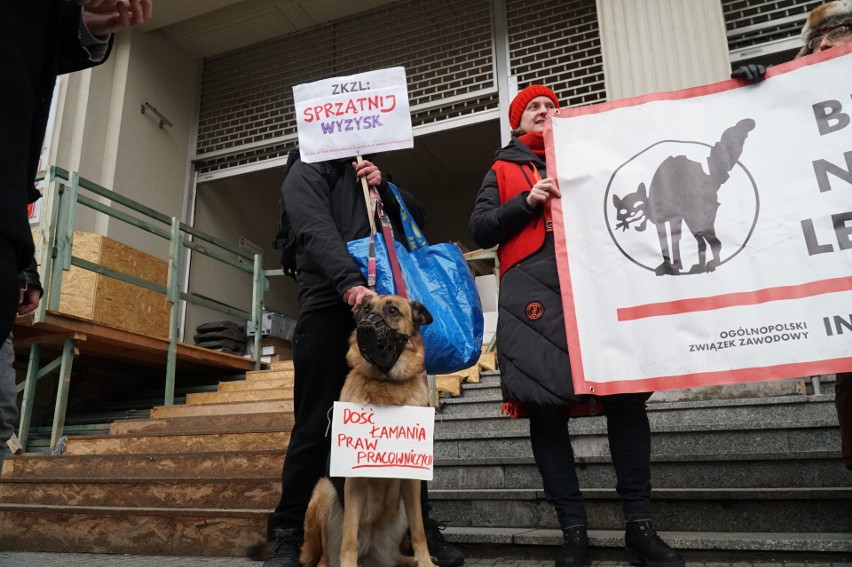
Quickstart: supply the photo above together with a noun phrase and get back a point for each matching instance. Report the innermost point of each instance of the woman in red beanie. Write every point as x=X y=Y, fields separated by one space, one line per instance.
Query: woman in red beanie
x=513 y=211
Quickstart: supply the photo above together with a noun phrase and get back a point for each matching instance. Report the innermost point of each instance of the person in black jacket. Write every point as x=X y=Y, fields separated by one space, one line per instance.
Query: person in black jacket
x=828 y=26
x=511 y=211
x=39 y=40
x=325 y=209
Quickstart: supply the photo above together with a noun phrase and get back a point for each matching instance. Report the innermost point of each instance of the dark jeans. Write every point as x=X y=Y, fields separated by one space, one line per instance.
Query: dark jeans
x=630 y=447
x=843 y=403
x=320 y=342
x=10 y=291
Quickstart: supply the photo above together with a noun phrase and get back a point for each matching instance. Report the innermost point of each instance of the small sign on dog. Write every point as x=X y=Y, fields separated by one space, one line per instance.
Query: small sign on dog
x=382 y=441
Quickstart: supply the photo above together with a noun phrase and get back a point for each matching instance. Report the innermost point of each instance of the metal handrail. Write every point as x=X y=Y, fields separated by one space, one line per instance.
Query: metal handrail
x=55 y=255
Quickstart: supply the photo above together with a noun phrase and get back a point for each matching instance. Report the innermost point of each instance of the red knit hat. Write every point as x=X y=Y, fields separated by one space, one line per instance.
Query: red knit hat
x=523 y=98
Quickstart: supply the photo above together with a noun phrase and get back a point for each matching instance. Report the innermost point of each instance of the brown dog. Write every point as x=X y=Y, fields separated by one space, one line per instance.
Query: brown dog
x=367 y=532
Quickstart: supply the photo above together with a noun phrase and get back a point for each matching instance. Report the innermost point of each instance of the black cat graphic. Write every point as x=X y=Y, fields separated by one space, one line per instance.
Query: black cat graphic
x=681 y=192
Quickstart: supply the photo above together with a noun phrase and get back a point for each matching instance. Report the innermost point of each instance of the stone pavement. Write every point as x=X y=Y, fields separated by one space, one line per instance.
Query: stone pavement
x=8 y=559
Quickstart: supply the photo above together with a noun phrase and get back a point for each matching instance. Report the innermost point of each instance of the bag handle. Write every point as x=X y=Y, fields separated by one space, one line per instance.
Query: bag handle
x=413 y=234
x=387 y=231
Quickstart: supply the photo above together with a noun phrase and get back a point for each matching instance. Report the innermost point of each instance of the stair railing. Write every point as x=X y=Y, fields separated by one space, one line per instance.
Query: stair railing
x=54 y=253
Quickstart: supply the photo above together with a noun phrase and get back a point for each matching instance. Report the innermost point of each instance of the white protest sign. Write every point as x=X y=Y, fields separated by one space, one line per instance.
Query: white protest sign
x=760 y=177
x=382 y=441
x=354 y=115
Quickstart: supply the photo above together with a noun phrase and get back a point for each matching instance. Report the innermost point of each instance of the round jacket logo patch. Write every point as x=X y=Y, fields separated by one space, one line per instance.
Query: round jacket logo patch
x=534 y=310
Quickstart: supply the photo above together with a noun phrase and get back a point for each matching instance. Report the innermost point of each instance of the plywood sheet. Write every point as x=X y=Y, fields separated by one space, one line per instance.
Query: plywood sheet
x=112 y=302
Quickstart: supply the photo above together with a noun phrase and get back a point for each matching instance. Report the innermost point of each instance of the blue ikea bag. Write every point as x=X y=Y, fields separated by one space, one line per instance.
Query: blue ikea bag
x=437 y=276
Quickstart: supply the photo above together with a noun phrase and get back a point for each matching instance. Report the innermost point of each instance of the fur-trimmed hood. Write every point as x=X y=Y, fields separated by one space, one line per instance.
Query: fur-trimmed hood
x=826 y=17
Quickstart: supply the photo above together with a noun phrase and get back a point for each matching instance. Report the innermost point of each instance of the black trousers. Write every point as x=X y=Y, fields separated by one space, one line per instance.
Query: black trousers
x=10 y=292
x=843 y=403
x=320 y=342
x=629 y=437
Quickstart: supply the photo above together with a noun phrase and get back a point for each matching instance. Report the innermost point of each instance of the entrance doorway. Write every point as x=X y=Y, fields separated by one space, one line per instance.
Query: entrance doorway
x=444 y=171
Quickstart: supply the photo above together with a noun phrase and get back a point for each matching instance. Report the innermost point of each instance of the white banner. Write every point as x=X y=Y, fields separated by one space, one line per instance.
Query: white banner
x=382 y=441
x=34 y=209
x=354 y=115
x=757 y=179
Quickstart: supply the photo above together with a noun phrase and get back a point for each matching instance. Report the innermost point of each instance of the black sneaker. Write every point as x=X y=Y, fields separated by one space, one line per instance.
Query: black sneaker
x=443 y=554
x=288 y=543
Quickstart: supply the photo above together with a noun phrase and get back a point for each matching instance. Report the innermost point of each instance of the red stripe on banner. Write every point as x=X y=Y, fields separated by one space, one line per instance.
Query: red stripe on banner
x=738 y=376
x=572 y=330
x=756 y=297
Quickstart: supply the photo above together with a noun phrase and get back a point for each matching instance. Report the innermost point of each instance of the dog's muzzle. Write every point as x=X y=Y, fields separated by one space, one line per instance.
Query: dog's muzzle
x=380 y=345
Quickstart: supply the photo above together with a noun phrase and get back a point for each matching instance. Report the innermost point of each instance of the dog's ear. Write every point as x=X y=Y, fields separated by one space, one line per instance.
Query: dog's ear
x=419 y=314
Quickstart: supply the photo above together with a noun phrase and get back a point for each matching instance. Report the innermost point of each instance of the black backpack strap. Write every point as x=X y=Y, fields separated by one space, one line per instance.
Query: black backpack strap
x=285 y=240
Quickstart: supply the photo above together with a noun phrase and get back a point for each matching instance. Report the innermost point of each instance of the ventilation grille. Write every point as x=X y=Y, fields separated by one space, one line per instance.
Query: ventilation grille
x=753 y=23
x=444 y=45
x=557 y=43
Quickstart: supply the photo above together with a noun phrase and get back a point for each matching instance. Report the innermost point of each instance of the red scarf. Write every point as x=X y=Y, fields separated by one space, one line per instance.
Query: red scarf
x=534 y=141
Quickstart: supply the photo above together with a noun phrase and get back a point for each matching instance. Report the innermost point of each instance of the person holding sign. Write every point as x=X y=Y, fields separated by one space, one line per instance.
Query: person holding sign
x=512 y=211
x=325 y=208
x=828 y=25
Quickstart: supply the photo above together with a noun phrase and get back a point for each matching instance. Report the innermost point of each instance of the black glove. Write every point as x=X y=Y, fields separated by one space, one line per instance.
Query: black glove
x=753 y=72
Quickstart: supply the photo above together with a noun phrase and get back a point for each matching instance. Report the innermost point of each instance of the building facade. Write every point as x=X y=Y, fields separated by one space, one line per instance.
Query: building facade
x=221 y=74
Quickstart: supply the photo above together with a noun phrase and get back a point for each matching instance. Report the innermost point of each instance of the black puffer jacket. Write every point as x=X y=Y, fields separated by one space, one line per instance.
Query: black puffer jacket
x=325 y=208
x=531 y=342
x=39 y=40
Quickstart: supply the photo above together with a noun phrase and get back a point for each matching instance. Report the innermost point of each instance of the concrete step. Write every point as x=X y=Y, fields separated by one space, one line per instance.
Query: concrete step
x=241 y=396
x=256 y=384
x=164 y=443
x=782 y=425
x=488 y=388
x=137 y=531
x=234 y=464
x=815 y=545
x=698 y=445
x=728 y=470
x=185 y=492
x=233 y=423
x=776 y=388
x=502 y=427
x=676 y=415
x=227 y=408
x=692 y=510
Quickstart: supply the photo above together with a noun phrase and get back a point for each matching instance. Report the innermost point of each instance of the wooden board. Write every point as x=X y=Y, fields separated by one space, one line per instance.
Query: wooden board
x=111 y=302
x=117 y=345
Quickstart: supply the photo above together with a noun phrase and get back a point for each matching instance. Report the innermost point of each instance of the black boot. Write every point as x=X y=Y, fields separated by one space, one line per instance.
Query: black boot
x=443 y=554
x=288 y=544
x=647 y=548
x=575 y=548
